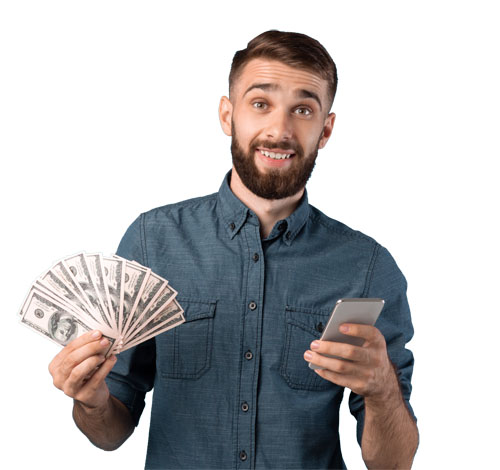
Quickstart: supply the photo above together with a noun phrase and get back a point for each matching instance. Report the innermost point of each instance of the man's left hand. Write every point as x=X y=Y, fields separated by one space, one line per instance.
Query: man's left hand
x=367 y=370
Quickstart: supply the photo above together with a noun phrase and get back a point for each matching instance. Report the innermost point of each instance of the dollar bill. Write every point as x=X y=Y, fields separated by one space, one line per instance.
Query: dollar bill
x=78 y=267
x=126 y=301
x=114 y=274
x=154 y=286
x=50 y=280
x=169 y=324
x=94 y=261
x=53 y=320
x=154 y=319
x=134 y=284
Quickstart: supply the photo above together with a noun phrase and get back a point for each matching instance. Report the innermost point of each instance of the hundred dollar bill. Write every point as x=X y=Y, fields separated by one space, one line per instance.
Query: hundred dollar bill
x=78 y=267
x=97 y=272
x=170 y=323
x=135 y=282
x=52 y=320
x=161 y=301
x=48 y=293
x=114 y=275
x=51 y=281
x=62 y=272
x=154 y=320
x=152 y=289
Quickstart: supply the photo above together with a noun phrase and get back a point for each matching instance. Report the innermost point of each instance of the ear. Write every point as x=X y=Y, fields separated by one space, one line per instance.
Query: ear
x=225 y=114
x=327 y=130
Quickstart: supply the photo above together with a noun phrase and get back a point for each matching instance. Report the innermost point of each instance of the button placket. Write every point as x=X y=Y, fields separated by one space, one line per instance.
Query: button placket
x=251 y=324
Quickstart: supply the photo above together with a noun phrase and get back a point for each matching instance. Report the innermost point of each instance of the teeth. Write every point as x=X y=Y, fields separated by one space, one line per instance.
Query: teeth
x=275 y=156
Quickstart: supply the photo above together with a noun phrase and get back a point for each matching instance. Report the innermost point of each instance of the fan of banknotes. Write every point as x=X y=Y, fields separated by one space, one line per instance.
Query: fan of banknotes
x=126 y=301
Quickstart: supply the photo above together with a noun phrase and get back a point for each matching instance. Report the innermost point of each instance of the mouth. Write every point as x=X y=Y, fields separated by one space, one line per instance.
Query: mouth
x=276 y=154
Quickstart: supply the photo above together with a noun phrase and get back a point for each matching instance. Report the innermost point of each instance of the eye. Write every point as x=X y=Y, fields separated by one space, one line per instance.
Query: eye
x=259 y=105
x=303 y=111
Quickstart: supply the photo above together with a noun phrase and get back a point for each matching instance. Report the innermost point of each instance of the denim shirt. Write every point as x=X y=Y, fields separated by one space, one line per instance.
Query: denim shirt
x=231 y=386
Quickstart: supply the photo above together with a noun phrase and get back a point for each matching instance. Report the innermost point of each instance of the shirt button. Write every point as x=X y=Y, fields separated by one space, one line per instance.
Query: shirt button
x=232 y=226
x=255 y=257
x=248 y=355
x=243 y=455
x=320 y=327
x=252 y=305
x=244 y=406
x=282 y=226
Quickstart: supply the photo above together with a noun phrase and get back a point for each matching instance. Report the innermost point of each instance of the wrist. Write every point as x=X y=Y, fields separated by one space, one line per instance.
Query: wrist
x=388 y=400
x=93 y=410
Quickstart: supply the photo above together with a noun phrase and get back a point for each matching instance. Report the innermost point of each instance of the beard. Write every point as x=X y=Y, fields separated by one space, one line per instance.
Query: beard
x=276 y=183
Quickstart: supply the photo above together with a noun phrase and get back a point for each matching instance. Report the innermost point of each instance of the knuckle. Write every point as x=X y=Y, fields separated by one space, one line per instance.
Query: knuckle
x=340 y=365
x=68 y=390
x=348 y=352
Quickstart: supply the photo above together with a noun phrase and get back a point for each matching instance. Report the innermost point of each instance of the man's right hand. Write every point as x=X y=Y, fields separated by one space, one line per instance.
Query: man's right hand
x=79 y=371
x=80 y=368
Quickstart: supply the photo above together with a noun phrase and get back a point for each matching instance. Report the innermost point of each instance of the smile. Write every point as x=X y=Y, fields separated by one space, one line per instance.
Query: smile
x=275 y=155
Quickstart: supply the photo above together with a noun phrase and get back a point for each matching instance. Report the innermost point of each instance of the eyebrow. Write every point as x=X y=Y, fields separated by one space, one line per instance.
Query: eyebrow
x=302 y=93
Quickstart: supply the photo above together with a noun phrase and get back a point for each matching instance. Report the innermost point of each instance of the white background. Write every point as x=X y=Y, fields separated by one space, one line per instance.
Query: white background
x=109 y=108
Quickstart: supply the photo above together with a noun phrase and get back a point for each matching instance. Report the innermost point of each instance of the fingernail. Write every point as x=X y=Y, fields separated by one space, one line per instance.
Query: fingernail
x=308 y=355
x=104 y=342
x=96 y=334
x=315 y=345
x=344 y=328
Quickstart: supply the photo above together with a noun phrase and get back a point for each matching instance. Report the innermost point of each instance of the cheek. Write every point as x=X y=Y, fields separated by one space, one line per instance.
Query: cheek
x=247 y=129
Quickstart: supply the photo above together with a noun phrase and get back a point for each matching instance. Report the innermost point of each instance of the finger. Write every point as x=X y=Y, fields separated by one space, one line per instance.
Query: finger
x=80 y=374
x=71 y=346
x=344 y=350
x=341 y=380
x=97 y=378
x=339 y=366
x=81 y=354
x=367 y=332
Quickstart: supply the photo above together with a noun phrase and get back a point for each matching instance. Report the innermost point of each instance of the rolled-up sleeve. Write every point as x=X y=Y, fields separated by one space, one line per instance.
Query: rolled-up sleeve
x=386 y=281
x=134 y=372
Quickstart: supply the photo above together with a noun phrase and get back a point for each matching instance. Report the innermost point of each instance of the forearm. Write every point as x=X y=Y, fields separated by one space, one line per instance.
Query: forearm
x=108 y=428
x=390 y=435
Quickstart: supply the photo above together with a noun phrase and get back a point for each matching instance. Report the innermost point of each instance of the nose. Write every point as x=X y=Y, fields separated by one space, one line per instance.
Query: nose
x=280 y=126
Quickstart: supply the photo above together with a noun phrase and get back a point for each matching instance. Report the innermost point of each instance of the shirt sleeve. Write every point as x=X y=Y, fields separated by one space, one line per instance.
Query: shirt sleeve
x=386 y=281
x=134 y=372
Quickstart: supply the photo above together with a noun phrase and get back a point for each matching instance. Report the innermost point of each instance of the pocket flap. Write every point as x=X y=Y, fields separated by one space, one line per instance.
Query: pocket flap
x=196 y=310
x=312 y=321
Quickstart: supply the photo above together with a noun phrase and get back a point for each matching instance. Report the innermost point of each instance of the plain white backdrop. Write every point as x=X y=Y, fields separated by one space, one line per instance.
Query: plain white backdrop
x=109 y=108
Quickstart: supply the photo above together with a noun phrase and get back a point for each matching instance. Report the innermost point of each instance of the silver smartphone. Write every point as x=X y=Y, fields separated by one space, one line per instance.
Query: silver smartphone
x=363 y=311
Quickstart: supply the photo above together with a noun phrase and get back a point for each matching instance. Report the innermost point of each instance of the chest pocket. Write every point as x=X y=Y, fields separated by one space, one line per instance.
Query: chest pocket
x=184 y=352
x=302 y=326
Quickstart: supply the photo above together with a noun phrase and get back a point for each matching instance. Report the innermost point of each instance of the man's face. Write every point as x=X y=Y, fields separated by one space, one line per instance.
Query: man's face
x=64 y=330
x=278 y=121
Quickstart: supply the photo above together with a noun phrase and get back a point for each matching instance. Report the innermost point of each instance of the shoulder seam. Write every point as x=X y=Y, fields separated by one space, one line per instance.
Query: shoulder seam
x=188 y=202
x=143 y=240
x=371 y=266
x=348 y=233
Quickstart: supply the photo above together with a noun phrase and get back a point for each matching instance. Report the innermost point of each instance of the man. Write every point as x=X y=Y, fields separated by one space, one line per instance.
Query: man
x=258 y=271
x=62 y=328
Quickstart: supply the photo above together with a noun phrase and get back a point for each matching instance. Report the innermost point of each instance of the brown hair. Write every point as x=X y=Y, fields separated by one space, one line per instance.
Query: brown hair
x=293 y=49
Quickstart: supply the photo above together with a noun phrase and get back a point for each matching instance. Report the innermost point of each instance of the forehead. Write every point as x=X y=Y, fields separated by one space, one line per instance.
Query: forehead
x=259 y=71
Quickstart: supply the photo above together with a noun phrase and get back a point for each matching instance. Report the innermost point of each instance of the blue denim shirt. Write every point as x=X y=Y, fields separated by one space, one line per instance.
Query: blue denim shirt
x=231 y=387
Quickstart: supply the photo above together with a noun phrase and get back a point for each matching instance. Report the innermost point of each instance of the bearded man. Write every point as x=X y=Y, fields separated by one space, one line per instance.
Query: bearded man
x=258 y=270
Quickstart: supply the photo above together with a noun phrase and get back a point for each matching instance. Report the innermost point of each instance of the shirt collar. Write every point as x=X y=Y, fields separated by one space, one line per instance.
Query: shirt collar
x=235 y=214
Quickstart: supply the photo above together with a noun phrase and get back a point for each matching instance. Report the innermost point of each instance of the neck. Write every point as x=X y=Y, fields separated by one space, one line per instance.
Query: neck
x=269 y=211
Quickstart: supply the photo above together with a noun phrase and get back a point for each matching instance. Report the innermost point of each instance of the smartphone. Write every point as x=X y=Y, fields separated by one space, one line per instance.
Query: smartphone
x=363 y=311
